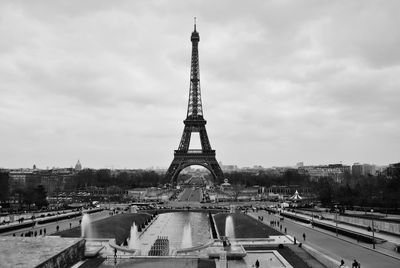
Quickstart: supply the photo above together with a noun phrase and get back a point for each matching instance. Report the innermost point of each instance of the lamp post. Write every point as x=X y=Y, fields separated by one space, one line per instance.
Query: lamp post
x=373 y=233
x=312 y=219
x=336 y=219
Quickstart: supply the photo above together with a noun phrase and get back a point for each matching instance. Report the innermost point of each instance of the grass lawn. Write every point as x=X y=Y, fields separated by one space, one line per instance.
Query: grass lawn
x=245 y=226
x=117 y=227
x=292 y=257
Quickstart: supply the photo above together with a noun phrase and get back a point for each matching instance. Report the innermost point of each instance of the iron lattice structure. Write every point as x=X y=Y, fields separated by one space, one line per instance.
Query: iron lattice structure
x=194 y=122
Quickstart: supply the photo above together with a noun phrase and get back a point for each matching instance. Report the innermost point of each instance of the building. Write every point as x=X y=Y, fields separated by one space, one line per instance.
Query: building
x=4 y=185
x=78 y=166
x=363 y=170
x=138 y=193
x=228 y=168
x=393 y=170
x=52 y=180
x=280 y=191
x=335 y=171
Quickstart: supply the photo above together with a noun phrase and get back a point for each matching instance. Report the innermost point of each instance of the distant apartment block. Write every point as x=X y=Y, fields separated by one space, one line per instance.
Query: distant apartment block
x=52 y=180
x=393 y=170
x=335 y=171
x=362 y=170
x=228 y=168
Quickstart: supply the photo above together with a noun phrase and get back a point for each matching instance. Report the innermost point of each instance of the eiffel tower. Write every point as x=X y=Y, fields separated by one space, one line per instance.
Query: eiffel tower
x=194 y=122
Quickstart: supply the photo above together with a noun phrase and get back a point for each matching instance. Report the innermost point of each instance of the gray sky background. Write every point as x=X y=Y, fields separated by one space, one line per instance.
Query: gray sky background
x=107 y=82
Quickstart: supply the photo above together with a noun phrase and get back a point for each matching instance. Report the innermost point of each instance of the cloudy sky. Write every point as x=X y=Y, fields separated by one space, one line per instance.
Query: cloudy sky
x=107 y=82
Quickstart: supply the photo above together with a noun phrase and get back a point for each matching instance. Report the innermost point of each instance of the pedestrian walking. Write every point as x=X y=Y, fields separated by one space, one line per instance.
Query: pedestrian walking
x=304 y=236
x=115 y=253
x=294 y=240
x=44 y=231
x=285 y=230
x=70 y=225
x=355 y=264
x=57 y=228
x=341 y=263
x=257 y=264
x=280 y=227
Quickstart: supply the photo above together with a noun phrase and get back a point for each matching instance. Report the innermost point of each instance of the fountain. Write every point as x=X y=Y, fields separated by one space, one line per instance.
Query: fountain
x=229 y=228
x=187 y=236
x=86 y=230
x=134 y=238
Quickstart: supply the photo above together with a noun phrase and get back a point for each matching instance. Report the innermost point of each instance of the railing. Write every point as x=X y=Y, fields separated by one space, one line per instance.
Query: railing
x=195 y=151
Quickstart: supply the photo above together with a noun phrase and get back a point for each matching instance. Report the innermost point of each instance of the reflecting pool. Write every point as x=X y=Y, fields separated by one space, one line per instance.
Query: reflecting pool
x=183 y=229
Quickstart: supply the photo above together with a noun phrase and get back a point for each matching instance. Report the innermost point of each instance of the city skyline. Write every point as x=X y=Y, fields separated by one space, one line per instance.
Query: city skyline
x=282 y=82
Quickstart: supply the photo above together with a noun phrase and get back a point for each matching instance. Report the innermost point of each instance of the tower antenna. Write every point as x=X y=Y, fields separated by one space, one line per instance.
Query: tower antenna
x=195 y=23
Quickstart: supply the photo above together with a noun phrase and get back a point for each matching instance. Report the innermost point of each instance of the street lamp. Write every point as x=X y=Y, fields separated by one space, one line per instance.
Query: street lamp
x=312 y=219
x=373 y=233
x=336 y=219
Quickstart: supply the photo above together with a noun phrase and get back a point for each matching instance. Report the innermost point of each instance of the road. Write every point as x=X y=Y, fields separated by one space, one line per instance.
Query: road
x=190 y=194
x=334 y=247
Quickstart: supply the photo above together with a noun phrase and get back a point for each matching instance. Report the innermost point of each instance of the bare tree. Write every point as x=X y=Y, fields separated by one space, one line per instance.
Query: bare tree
x=237 y=189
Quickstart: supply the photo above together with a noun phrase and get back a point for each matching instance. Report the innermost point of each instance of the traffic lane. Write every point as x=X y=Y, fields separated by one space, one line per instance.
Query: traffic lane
x=333 y=247
x=195 y=195
x=185 y=194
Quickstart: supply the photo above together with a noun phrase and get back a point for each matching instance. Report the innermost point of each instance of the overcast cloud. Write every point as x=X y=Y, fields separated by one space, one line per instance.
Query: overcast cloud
x=107 y=82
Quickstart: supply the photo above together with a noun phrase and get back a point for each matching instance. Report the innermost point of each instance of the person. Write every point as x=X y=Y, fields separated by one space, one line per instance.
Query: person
x=257 y=264
x=44 y=231
x=70 y=225
x=304 y=236
x=58 y=228
x=285 y=230
x=294 y=240
x=355 y=264
x=341 y=263
x=115 y=253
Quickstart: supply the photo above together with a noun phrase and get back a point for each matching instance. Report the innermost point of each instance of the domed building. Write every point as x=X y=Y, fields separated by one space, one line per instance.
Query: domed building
x=78 y=166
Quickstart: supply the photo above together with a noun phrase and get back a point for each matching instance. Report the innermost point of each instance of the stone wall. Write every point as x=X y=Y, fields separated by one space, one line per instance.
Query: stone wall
x=67 y=257
x=389 y=227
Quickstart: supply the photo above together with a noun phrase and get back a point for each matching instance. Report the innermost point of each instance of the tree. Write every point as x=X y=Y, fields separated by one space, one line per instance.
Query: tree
x=236 y=191
x=40 y=197
x=325 y=191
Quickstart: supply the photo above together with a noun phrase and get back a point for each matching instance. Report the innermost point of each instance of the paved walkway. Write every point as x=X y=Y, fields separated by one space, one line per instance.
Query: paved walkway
x=337 y=248
x=387 y=248
x=391 y=238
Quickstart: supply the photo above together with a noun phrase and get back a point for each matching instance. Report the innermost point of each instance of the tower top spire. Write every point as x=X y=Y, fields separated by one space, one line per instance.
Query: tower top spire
x=195 y=109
